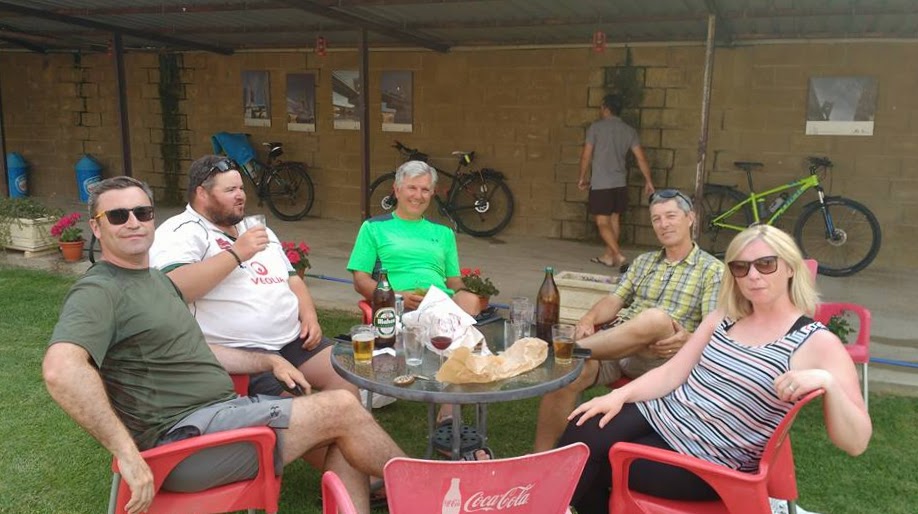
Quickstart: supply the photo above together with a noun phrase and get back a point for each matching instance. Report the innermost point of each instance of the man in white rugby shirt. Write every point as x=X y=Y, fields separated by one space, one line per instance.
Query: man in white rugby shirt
x=239 y=285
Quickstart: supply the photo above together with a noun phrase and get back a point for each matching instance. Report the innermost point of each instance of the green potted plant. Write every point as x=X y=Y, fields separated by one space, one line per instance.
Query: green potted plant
x=477 y=284
x=839 y=325
x=69 y=236
x=25 y=225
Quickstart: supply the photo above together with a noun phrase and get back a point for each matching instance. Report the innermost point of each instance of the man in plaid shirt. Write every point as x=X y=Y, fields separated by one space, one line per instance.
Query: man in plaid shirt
x=658 y=303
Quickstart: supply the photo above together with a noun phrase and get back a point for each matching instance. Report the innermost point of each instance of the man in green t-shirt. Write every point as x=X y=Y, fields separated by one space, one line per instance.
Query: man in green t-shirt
x=417 y=253
x=129 y=364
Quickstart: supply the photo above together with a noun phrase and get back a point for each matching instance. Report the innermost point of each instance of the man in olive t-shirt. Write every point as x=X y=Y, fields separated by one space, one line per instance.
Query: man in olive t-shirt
x=128 y=363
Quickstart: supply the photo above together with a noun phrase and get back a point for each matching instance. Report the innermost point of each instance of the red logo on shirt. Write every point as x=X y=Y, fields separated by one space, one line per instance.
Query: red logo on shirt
x=224 y=244
x=259 y=268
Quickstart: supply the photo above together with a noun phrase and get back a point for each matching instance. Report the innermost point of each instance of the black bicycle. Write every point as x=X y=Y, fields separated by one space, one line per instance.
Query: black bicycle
x=284 y=185
x=478 y=201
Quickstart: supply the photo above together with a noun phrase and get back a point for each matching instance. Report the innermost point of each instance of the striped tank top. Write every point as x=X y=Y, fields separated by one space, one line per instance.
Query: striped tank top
x=728 y=408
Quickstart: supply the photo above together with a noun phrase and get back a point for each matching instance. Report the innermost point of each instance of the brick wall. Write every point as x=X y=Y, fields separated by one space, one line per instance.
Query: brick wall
x=523 y=111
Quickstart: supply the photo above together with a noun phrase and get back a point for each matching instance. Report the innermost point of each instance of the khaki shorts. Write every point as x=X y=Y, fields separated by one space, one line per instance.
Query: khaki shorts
x=231 y=463
x=631 y=367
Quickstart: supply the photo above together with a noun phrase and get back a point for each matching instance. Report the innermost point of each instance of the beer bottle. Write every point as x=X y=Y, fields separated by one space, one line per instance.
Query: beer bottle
x=548 y=306
x=384 y=311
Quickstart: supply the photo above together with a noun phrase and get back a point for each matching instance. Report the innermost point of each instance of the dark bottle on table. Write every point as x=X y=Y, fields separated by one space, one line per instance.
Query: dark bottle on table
x=384 y=311
x=548 y=306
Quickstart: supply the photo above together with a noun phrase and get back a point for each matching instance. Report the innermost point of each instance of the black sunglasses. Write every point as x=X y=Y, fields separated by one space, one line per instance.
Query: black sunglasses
x=222 y=166
x=120 y=216
x=764 y=265
x=668 y=194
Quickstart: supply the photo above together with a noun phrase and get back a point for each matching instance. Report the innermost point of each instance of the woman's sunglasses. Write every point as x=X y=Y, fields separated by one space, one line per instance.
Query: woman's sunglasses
x=120 y=216
x=764 y=265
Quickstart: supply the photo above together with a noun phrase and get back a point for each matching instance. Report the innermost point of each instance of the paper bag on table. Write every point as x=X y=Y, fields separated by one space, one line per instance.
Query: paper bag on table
x=436 y=306
x=465 y=368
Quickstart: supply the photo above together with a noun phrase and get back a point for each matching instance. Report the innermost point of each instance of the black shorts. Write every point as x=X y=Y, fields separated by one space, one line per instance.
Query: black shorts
x=604 y=202
x=266 y=383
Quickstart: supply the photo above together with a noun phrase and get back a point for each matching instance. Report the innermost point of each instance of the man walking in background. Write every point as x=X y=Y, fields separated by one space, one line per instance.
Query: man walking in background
x=605 y=153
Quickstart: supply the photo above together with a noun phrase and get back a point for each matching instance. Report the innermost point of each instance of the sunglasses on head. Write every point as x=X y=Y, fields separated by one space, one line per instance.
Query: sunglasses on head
x=764 y=265
x=222 y=166
x=120 y=216
x=668 y=194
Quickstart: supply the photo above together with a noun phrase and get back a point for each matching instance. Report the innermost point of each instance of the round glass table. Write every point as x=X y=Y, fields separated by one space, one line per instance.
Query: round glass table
x=377 y=377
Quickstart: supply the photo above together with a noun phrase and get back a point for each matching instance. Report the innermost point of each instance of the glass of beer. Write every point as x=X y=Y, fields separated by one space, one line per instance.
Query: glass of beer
x=364 y=338
x=562 y=340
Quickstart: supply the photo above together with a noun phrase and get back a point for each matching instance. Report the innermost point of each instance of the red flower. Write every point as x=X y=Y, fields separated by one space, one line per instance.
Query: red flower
x=465 y=271
x=297 y=254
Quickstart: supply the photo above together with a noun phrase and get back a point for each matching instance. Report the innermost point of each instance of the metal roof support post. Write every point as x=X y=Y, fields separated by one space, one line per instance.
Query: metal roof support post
x=118 y=54
x=6 y=177
x=705 y=116
x=364 y=125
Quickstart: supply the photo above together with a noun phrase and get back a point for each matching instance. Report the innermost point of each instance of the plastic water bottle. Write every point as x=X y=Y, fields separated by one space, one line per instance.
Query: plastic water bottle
x=452 y=502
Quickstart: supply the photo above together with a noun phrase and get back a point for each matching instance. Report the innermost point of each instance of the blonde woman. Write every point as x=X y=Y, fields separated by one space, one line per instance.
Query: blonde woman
x=724 y=393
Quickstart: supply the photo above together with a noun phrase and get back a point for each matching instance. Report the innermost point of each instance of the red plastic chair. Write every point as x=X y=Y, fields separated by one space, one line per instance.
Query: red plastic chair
x=367 y=310
x=859 y=350
x=241 y=384
x=541 y=483
x=335 y=499
x=740 y=493
x=261 y=492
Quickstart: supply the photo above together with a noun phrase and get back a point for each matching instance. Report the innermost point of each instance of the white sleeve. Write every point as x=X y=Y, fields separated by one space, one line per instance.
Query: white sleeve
x=179 y=241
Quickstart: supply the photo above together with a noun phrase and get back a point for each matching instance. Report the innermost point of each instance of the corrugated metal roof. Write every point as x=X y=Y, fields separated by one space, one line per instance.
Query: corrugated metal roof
x=238 y=24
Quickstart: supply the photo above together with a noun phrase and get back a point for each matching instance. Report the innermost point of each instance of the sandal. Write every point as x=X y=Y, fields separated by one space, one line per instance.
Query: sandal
x=597 y=260
x=473 y=455
x=378 y=498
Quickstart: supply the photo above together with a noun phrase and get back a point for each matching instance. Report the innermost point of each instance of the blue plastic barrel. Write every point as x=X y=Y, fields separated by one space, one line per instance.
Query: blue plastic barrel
x=88 y=172
x=16 y=173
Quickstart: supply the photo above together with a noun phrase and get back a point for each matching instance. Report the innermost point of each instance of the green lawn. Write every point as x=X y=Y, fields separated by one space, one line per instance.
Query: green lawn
x=48 y=464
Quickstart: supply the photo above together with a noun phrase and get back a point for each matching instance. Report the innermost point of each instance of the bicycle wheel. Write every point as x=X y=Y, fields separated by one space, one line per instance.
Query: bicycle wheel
x=716 y=201
x=382 y=195
x=481 y=205
x=852 y=246
x=289 y=191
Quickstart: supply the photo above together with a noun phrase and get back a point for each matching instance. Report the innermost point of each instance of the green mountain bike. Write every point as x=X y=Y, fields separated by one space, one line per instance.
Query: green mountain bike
x=841 y=234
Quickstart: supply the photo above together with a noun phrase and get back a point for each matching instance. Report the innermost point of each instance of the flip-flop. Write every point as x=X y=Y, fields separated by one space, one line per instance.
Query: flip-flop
x=597 y=260
x=378 y=498
x=473 y=454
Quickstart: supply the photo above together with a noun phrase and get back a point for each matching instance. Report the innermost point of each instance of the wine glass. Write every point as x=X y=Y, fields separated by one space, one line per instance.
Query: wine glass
x=442 y=333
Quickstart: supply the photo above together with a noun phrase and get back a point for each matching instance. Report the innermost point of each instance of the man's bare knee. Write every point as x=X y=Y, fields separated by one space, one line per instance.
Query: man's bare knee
x=653 y=321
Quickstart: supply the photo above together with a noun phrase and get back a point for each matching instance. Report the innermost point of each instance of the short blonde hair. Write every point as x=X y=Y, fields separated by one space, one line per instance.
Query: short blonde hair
x=802 y=289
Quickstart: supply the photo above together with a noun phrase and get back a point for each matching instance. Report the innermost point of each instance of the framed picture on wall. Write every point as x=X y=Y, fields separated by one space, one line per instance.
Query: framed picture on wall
x=256 y=98
x=397 y=101
x=345 y=99
x=841 y=106
x=301 y=102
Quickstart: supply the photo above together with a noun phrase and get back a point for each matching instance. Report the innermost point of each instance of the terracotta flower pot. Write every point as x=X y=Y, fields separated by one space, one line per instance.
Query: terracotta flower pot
x=301 y=272
x=72 y=250
x=483 y=301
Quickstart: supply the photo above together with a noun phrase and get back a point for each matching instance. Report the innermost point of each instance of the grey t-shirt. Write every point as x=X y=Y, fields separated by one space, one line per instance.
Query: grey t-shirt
x=611 y=138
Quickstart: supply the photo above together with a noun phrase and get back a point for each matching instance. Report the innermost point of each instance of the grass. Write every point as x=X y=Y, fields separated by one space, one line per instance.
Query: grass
x=48 y=464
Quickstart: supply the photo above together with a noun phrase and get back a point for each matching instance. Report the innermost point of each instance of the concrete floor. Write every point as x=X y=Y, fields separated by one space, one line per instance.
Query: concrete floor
x=516 y=265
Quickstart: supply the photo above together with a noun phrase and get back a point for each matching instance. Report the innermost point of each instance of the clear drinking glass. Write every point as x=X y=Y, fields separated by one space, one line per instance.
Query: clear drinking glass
x=413 y=338
x=363 y=337
x=513 y=332
x=254 y=220
x=523 y=311
x=562 y=340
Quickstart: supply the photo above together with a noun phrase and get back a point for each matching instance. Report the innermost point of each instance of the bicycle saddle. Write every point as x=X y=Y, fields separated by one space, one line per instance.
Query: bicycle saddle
x=464 y=157
x=747 y=165
x=820 y=161
x=272 y=144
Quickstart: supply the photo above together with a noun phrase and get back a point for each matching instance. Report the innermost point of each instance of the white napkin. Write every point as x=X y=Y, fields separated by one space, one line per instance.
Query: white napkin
x=437 y=305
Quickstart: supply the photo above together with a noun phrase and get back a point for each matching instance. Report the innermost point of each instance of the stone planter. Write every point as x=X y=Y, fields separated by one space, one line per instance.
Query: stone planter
x=29 y=235
x=580 y=291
